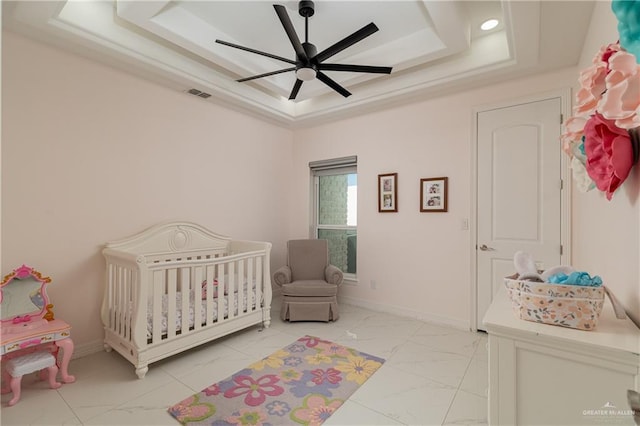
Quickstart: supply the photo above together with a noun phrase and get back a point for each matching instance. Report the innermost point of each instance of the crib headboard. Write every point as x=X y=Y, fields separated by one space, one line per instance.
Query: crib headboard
x=172 y=237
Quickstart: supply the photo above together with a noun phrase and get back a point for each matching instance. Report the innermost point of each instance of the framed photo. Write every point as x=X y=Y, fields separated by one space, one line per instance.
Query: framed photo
x=433 y=194
x=388 y=193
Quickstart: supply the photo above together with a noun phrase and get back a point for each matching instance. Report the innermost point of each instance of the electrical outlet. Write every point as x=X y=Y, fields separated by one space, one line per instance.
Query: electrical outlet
x=373 y=284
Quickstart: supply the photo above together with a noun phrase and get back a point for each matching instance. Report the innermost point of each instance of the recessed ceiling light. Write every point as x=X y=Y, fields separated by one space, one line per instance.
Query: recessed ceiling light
x=489 y=24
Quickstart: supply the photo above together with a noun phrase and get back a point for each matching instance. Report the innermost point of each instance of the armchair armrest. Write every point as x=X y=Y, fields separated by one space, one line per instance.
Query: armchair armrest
x=282 y=276
x=333 y=275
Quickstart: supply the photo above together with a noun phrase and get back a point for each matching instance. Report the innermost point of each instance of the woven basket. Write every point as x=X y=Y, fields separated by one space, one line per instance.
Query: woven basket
x=563 y=305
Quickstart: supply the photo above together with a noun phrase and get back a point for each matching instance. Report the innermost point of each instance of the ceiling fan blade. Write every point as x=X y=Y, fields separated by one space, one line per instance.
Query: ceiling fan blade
x=267 y=74
x=248 y=49
x=355 y=68
x=362 y=33
x=291 y=32
x=296 y=89
x=335 y=86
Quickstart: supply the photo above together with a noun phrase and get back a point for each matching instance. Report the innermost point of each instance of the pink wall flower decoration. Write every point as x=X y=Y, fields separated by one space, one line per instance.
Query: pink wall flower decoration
x=609 y=153
x=574 y=131
x=621 y=101
x=606 y=113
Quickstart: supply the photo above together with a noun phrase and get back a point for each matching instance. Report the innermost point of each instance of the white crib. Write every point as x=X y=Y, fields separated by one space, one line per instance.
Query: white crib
x=177 y=285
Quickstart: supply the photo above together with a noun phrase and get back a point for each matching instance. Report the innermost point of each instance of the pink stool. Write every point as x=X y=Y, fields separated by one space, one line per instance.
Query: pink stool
x=25 y=364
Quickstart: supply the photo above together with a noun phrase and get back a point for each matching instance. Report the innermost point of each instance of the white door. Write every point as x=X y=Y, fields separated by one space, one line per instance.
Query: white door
x=518 y=193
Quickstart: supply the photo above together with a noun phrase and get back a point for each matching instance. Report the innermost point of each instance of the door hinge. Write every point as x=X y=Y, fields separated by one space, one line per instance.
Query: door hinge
x=561 y=250
x=561 y=118
x=561 y=184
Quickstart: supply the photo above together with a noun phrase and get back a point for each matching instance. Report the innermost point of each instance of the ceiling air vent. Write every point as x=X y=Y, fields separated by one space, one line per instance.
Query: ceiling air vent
x=199 y=93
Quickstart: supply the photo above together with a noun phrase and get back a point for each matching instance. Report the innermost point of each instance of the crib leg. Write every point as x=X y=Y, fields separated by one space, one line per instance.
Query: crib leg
x=53 y=372
x=141 y=371
x=15 y=388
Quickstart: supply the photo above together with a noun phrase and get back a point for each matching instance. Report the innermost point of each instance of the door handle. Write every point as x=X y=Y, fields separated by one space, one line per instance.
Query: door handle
x=485 y=248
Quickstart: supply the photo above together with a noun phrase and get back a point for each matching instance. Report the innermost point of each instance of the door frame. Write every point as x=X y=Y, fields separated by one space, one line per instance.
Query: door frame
x=565 y=175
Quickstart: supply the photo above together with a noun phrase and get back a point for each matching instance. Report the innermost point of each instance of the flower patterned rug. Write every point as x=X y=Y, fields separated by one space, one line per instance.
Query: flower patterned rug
x=303 y=383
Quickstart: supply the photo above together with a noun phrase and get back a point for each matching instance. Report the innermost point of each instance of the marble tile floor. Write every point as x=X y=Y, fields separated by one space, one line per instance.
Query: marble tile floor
x=433 y=375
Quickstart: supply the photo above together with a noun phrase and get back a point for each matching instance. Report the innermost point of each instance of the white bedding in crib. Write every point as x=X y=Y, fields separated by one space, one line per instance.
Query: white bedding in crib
x=178 y=302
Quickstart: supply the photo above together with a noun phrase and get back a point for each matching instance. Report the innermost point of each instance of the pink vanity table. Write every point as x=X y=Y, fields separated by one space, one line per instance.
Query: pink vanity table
x=27 y=321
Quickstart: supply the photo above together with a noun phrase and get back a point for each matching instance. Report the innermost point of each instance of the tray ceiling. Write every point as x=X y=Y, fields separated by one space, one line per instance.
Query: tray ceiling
x=434 y=47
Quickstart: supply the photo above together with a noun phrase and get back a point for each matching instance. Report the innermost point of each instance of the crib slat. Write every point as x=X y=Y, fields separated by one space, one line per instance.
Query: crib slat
x=121 y=301
x=241 y=287
x=125 y=307
x=211 y=274
x=111 y=296
x=171 y=302
x=232 y=290
x=196 y=272
x=156 y=307
x=184 y=287
x=250 y=284
x=222 y=292
x=259 y=282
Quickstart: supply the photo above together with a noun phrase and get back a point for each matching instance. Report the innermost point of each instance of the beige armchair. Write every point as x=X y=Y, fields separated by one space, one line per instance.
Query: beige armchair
x=308 y=282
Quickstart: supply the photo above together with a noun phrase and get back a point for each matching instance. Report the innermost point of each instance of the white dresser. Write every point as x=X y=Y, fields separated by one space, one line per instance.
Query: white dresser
x=548 y=375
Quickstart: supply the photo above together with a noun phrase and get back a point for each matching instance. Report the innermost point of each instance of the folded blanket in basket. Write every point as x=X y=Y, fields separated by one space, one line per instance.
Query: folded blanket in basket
x=576 y=278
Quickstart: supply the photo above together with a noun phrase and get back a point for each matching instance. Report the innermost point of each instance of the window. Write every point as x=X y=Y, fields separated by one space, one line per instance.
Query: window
x=335 y=217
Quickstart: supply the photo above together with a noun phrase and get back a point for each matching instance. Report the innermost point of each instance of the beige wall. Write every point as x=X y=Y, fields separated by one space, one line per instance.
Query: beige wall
x=420 y=262
x=91 y=154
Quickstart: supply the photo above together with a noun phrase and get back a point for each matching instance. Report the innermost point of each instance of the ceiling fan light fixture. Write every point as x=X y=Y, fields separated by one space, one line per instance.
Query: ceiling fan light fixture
x=489 y=24
x=306 y=74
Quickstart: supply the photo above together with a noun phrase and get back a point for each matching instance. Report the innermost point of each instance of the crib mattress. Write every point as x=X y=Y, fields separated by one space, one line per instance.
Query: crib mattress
x=178 y=302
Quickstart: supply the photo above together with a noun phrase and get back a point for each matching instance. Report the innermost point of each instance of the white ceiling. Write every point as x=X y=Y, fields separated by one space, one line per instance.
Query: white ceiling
x=434 y=47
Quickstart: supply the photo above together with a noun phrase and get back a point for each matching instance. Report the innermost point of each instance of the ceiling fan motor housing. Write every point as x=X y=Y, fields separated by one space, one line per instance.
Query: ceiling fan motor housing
x=311 y=52
x=306 y=8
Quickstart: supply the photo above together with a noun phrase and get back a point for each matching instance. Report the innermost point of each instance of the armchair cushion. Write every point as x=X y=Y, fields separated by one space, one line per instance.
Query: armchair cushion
x=308 y=259
x=309 y=288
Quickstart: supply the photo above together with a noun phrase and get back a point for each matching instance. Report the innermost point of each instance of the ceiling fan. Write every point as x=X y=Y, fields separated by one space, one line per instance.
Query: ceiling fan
x=309 y=64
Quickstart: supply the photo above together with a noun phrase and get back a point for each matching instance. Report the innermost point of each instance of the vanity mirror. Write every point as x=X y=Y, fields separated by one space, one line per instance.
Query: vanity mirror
x=23 y=297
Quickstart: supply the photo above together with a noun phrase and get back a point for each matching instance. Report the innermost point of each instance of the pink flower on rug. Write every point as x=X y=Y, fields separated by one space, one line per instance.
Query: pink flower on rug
x=214 y=389
x=609 y=153
x=315 y=410
x=358 y=369
x=247 y=417
x=331 y=349
x=310 y=341
x=621 y=101
x=255 y=391
x=192 y=410
x=330 y=375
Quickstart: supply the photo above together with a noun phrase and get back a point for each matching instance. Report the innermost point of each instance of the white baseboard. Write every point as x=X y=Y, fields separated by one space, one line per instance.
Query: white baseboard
x=90 y=348
x=98 y=345
x=404 y=312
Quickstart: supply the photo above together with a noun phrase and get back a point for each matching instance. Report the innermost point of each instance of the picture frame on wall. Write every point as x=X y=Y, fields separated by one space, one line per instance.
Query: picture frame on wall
x=433 y=194
x=388 y=193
